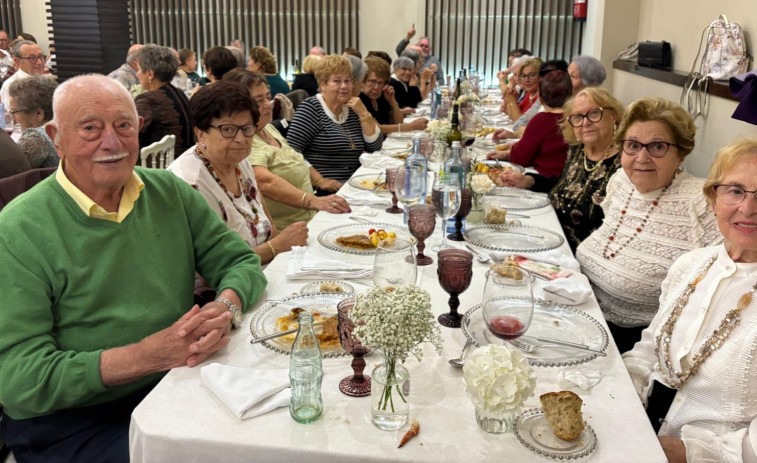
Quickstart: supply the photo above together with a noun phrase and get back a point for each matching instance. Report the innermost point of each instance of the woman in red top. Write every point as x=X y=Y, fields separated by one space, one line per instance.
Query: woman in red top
x=528 y=79
x=542 y=146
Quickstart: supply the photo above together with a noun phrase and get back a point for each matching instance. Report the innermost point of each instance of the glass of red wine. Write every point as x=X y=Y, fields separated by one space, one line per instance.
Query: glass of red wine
x=508 y=302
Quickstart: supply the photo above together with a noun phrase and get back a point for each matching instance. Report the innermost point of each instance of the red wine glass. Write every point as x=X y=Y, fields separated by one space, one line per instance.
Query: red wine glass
x=466 y=201
x=455 y=270
x=391 y=176
x=508 y=302
x=357 y=384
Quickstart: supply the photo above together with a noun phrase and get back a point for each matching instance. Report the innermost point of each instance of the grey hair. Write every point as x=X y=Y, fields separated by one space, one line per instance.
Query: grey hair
x=159 y=60
x=239 y=55
x=34 y=92
x=592 y=71
x=413 y=55
x=133 y=55
x=403 y=62
x=17 y=47
x=358 y=68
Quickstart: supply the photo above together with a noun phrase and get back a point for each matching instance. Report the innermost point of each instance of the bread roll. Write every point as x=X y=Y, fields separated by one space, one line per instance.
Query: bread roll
x=563 y=412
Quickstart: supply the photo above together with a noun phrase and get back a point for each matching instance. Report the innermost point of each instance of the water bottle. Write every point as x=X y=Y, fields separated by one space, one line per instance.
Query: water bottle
x=455 y=166
x=2 y=116
x=437 y=102
x=306 y=373
x=417 y=161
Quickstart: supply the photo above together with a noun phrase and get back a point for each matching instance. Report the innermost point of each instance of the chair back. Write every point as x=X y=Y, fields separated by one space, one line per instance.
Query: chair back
x=13 y=186
x=158 y=155
x=297 y=97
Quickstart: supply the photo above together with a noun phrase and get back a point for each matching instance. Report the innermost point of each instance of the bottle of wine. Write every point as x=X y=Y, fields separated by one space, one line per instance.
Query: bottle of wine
x=417 y=161
x=297 y=67
x=306 y=372
x=455 y=166
x=454 y=134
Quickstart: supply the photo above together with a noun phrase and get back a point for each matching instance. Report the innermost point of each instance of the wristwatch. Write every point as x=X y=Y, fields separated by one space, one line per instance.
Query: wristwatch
x=236 y=312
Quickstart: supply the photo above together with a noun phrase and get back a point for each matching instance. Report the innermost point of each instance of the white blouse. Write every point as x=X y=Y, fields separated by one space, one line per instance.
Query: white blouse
x=244 y=217
x=716 y=408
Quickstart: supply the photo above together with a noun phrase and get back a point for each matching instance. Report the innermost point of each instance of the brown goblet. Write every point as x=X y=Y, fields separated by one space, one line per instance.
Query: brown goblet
x=391 y=175
x=466 y=201
x=455 y=270
x=421 y=222
x=357 y=384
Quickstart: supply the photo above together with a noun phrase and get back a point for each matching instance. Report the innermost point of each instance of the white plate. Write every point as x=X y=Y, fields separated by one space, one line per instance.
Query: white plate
x=370 y=182
x=534 y=431
x=521 y=238
x=327 y=238
x=315 y=288
x=520 y=199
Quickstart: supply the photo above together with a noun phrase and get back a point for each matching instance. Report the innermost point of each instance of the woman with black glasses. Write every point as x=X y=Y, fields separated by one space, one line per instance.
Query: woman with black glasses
x=654 y=212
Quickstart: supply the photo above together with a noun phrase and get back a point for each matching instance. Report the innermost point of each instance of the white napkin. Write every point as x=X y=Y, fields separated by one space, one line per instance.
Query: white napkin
x=573 y=290
x=247 y=392
x=379 y=161
x=365 y=198
x=303 y=256
x=584 y=378
x=554 y=257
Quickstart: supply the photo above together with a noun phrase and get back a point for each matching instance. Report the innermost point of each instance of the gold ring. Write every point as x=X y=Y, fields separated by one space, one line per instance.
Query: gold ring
x=333 y=203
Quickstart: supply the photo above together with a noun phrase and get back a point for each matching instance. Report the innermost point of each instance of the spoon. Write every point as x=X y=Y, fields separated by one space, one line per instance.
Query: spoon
x=460 y=361
x=479 y=257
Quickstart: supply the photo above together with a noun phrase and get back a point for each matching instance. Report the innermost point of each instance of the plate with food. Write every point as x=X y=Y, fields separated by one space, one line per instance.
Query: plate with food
x=557 y=430
x=369 y=182
x=521 y=238
x=399 y=153
x=277 y=316
x=401 y=135
x=550 y=320
x=327 y=286
x=360 y=238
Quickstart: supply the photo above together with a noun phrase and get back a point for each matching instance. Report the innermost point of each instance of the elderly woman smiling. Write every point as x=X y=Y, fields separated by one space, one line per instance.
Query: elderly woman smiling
x=225 y=120
x=702 y=342
x=654 y=212
x=333 y=128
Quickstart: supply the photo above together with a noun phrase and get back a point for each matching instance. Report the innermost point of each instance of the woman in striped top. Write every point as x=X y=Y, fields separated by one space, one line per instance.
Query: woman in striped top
x=333 y=128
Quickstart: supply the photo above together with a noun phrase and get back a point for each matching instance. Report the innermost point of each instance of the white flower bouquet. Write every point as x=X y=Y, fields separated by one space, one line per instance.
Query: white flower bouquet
x=481 y=183
x=468 y=98
x=498 y=379
x=439 y=129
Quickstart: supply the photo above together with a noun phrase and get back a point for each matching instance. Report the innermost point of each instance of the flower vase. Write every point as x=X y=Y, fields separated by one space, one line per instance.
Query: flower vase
x=476 y=214
x=390 y=390
x=495 y=423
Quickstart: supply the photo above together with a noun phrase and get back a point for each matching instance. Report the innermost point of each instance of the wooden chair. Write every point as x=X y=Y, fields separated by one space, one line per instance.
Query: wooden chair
x=159 y=154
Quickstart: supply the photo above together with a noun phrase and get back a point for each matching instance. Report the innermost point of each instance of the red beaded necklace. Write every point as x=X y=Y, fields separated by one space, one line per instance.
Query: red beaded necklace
x=639 y=229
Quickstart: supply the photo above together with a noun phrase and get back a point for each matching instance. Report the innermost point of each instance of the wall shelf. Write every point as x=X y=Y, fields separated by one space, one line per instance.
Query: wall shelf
x=716 y=88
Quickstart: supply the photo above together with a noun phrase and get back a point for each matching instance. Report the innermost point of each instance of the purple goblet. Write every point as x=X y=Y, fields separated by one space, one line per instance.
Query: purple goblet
x=357 y=384
x=455 y=270
x=421 y=222
x=391 y=175
x=465 y=206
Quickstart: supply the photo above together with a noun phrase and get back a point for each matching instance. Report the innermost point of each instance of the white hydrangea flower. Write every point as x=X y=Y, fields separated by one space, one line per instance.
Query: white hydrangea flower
x=481 y=183
x=498 y=379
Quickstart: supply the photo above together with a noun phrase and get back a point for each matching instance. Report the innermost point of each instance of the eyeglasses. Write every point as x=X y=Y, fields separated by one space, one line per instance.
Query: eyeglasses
x=656 y=149
x=530 y=75
x=373 y=83
x=595 y=115
x=231 y=130
x=14 y=111
x=33 y=58
x=733 y=195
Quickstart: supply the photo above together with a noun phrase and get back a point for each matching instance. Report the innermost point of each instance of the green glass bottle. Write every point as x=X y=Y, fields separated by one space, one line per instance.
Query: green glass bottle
x=454 y=132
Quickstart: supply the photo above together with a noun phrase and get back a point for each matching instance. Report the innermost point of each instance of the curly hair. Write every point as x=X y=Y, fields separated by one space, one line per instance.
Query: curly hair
x=726 y=158
x=220 y=99
x=34 y=92
x=265 y=59
x=330 y=65
x=601 y=97
x=673 y=116
x=159 y=60
x=378 y=67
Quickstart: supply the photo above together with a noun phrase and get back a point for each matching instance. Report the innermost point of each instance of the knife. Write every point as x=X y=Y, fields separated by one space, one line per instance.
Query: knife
x=574 y=345
x=279 y=334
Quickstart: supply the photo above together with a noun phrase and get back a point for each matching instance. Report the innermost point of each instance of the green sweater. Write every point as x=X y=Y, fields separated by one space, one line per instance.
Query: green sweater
x=73 y=286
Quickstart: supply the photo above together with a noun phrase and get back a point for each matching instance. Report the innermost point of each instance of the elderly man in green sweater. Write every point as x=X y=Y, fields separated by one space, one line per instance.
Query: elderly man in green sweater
x=97 y=290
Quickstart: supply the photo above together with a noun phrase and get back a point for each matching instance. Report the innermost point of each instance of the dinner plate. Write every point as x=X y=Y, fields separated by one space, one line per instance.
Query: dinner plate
x=534 y=431
x=519 y=199
x=327 y=238
x=370 y=182
x=401 y=154
x=263 y=321
x=495 y=163
x=314 y=287
x=490 y=110
x=401 y=135
x=550 y=320
x=522 y=238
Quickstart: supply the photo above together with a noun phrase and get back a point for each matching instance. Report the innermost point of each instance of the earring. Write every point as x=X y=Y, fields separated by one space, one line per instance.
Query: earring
x=204 y=146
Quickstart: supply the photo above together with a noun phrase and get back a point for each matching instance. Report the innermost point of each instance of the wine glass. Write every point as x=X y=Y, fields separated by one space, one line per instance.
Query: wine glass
x=455 y=270
x=408 y=186
x=466 y=201
x=394 y=264
x=468 y=125
x=422 y=219
x=508 y=302
x=391 y=176
x=446 y=199
x=357 y=384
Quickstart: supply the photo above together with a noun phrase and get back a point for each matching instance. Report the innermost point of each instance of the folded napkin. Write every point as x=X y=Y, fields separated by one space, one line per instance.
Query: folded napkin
x=307 y=263
x=379 y=161
x=554 y=257
x=247 y=392
x=365 y=198
x=573 y=290
x=584 y=378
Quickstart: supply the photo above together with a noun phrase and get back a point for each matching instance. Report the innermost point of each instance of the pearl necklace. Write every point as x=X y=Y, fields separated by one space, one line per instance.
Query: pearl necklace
x=639 y=229
x=677 y=379
x=598 y=163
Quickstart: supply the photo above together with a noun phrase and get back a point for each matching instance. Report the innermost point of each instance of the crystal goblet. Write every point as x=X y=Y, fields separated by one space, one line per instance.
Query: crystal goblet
x=391 y=176
x=466 y=201
x=394 y=264
x=508 y=302
x=357 y=384
x=421 y=222
x=455 y=270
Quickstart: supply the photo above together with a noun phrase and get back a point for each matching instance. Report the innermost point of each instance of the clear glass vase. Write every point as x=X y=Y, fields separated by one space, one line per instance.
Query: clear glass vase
x=390 y=391
x=495 y=423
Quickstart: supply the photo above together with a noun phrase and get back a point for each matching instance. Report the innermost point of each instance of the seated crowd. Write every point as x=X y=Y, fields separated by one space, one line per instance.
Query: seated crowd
x=256 y=160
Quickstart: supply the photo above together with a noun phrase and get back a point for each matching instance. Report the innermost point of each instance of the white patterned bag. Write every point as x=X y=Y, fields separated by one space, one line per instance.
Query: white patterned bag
x=725 y=54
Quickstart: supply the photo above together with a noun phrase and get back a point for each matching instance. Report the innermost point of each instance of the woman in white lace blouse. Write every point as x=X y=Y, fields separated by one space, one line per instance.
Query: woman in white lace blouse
x=703 y=340
x=654 y=212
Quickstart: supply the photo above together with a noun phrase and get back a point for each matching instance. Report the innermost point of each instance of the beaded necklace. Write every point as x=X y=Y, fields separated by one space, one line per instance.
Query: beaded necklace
x=677 y=379
x=253 y=220
x=598 y=163
x=639 y=229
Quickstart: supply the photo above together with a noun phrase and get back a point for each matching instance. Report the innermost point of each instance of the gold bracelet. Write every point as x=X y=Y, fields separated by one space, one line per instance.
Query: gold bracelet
x=302 y=200
x=399 y=127
x=365 y=119
x=273 y=251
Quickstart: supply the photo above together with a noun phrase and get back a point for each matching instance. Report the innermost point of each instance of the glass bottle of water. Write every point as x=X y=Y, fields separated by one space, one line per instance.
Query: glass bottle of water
x=418 y=162
x=306 y=373
x=454 y=165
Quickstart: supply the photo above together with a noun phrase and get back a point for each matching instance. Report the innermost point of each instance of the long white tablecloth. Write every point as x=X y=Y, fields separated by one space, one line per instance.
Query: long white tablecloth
x=180 y=420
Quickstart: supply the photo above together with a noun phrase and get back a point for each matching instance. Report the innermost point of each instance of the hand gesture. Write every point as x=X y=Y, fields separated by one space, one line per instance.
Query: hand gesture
x=428 y=73
x=413 y=81
x=357 y=105
x=516 y=179
x=331 y=203
x=410 y=33
x=418 y=124
x=388 y=92
x=293 y=235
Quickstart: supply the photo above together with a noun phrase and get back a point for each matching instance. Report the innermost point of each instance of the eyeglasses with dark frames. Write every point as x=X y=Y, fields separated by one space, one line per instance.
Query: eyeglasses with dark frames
x=32 y=59
x=656 y=149
x=595 y=115
x=14 y=111
x=530 y=75
x=231 y=130
x=733 y=195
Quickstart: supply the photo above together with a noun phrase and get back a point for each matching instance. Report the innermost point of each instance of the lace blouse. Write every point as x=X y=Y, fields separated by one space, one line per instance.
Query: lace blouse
x=714 y=409
x=627 y=286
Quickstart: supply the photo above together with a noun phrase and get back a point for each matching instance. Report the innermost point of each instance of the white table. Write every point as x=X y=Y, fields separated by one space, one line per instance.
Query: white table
x=182 y=421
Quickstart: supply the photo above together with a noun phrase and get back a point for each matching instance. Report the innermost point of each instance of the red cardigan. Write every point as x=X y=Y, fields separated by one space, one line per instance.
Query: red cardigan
x=542 y=146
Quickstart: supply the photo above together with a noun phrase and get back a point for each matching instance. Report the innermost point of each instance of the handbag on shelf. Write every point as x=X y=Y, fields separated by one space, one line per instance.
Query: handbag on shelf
x=631 y=53
x=655 y=54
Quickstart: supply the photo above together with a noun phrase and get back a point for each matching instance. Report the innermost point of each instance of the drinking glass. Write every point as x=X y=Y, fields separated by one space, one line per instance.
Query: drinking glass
x=394 y=264
x=421 y=222
x=446 y=200
x=357 y=384
x=466 y=201
x=468 y=125
x=408 y=186
x=455 y=270
x=391 y=176
x=508 y=302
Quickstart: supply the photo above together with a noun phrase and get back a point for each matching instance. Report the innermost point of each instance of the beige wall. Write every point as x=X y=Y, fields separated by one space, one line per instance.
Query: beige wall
x=34 y=21
x=383 y=23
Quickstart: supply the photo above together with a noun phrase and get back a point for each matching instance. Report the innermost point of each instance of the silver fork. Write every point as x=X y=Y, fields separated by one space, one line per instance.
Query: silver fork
x=528 y=348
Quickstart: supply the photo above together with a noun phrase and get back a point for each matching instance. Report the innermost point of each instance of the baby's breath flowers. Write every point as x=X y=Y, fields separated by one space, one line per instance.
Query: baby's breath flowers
x=439 y=128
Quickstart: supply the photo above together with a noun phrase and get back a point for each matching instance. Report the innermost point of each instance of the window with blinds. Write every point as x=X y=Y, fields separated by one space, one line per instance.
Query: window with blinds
x=289 y=28
x=480 y=33
x=10 y=17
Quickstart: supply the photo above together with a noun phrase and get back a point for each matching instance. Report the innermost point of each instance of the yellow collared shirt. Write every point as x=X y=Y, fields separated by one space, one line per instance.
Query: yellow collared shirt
x=131 y=192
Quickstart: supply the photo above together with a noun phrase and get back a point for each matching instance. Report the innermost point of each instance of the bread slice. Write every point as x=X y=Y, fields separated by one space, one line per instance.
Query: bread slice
x=563 y=412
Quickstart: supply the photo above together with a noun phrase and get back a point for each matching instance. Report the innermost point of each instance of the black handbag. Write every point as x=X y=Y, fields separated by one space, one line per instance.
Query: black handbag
x=655 y=54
